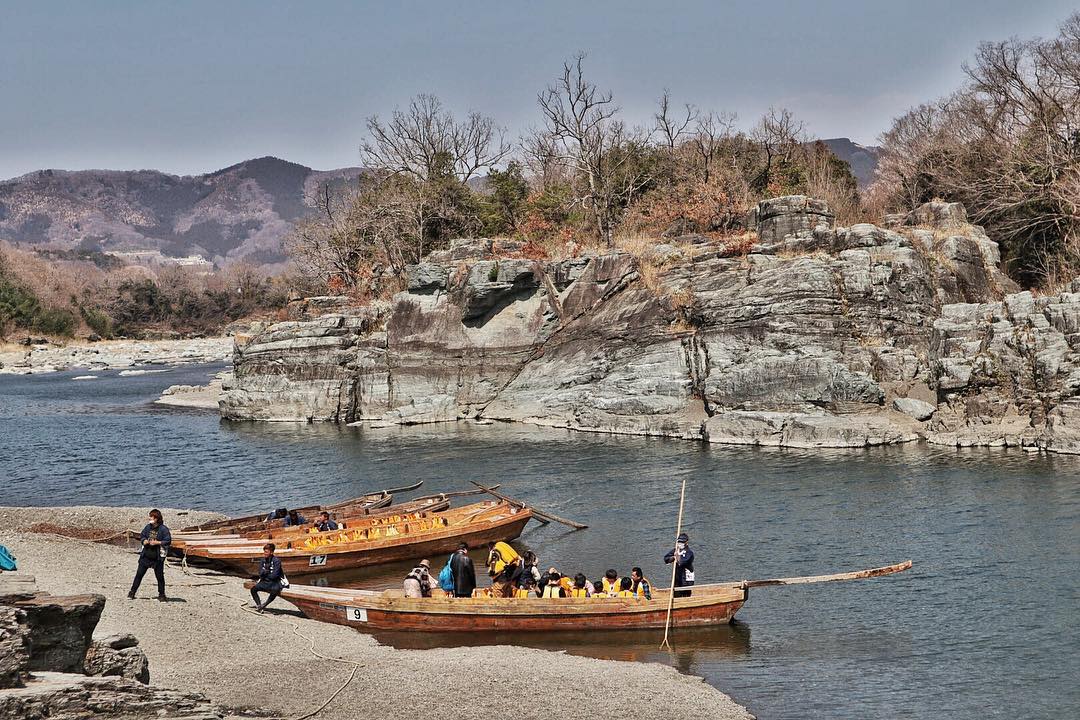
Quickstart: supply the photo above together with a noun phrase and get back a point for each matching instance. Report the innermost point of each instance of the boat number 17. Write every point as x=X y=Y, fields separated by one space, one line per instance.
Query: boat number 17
x=316 y=560
x=355 y=614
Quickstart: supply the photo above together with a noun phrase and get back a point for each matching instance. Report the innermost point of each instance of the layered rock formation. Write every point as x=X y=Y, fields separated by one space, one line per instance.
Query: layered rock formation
x=50 y=667
x=819 y=336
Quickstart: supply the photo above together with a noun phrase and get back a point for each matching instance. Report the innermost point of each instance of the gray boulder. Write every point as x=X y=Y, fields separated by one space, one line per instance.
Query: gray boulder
x=426 y=277
x=914 y=408
x=60 y=629
x=938 y=214
x=14 y=647
x=118 y=655
x=780 y=218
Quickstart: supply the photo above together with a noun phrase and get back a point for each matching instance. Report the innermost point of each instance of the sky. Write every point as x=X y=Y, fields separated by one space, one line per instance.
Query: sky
x=191 y=87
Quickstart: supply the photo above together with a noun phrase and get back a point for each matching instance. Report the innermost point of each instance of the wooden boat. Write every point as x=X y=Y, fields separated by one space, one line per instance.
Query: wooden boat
x=713 y=604
x=258 y=521
x=281 y=536
x=476 y=524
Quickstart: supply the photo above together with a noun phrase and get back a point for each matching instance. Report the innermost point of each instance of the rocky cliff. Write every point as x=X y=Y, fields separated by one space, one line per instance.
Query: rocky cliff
x=819 y=336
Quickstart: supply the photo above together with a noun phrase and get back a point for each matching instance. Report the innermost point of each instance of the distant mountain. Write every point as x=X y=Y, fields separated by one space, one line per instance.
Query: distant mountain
x=863 y=159
x=241 y=212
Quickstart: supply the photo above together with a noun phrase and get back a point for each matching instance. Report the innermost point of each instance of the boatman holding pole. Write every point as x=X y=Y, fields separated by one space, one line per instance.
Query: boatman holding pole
x=683 y=557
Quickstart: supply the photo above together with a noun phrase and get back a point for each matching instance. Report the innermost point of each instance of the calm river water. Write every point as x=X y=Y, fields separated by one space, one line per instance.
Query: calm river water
x=987 y=623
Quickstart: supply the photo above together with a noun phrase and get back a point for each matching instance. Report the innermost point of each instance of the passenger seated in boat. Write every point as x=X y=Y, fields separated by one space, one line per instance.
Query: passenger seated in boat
x=277 y=514
x=270 y=578
x=611 y=582
x=580 y=590
x=324 y=522
x=642 y=587
x=598 y=589
x=528 y=590
x=554 y=588
x=529 y=567
x=626 y=588
x=294 y=519
x=418 y=582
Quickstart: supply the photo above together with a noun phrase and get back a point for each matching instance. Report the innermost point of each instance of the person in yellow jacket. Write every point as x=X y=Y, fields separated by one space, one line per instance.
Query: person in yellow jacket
x=611 y=582
x=528 y=590
x=554 y=588
x=641 y=586
x=579 y=590
x=626 y=588
x=504 y=568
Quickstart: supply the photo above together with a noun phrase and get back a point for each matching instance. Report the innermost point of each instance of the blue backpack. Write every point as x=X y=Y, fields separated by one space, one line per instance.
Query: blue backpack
x=7 y=560
x=446 y=577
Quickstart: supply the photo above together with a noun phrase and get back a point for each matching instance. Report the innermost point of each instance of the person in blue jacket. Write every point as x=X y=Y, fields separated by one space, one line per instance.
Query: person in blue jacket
x=156 y=540
x=269 y=578
x=683 y=557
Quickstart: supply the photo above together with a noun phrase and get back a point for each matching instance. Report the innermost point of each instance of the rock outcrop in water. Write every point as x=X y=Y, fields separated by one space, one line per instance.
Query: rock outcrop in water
x=820 y=336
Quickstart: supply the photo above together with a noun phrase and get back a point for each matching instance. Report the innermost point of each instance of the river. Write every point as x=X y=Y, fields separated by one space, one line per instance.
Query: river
x=986 y=624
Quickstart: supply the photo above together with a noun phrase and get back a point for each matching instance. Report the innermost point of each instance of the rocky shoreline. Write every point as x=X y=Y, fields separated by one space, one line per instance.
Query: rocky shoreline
x=818 y=336
x=206 y=642
x=47 y=357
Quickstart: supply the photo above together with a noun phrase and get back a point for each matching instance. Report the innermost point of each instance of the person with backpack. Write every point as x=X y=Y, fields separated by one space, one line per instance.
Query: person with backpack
x=156 y=540
x=418 y=582
x=462 y=574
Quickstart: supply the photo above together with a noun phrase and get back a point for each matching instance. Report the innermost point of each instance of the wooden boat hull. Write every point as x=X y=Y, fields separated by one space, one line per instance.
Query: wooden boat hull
x=403 y=548
x=181 y=541
x=498 y=614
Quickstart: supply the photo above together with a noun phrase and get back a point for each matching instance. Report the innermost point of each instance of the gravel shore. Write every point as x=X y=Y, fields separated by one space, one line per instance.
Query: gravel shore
x=205 y=640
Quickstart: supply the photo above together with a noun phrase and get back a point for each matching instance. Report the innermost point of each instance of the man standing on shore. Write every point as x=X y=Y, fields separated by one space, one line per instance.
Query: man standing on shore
x=156 y=540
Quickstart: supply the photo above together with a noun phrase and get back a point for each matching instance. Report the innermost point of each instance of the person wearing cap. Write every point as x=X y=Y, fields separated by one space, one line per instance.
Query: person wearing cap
x=683 y=557
x=418 y=582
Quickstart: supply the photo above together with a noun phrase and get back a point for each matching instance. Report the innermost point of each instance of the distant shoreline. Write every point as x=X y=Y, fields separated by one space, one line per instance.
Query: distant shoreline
x=136 y=355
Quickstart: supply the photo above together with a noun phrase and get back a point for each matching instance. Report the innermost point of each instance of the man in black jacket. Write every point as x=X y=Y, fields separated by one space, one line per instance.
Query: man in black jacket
x=461 y=566
x=156 y=540
x=269 y=580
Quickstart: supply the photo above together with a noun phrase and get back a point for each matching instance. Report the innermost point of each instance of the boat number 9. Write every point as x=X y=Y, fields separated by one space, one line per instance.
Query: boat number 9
x=355 y=614
x=317 y=560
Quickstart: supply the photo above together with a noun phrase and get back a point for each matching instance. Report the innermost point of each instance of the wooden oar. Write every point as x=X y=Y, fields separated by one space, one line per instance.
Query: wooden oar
x=459 y=493
x=674 y=567
x=541 y=516
x=856 y=575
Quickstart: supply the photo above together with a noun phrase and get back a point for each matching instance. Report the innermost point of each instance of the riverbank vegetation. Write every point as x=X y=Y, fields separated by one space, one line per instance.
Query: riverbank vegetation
x=92 y=293
x=1007 y=145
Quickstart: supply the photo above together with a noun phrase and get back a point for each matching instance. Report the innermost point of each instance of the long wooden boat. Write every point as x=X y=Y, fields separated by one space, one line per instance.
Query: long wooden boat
x=182 y=541
x=713 y=604
x=257 y=521
x=476 y=524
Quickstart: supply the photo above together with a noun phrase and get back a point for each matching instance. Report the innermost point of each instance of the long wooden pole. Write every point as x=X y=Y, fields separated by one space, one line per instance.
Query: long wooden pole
x=542 y=516
x=674 y=567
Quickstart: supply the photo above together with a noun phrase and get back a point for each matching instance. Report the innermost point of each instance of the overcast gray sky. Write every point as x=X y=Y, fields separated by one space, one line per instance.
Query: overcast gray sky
x=189 y=87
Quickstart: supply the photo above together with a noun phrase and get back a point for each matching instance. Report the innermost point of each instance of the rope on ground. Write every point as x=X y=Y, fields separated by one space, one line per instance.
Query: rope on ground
x=296 y=631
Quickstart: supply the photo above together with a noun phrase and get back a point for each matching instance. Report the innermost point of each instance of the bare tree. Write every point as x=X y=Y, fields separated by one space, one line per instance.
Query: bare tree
x=779 y=136
x=582 y=130
x=426 y=138
x=712 y=131
x=672 y=127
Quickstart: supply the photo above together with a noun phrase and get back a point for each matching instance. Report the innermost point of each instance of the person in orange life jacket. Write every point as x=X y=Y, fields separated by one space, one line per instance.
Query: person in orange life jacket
x=580 y=590
x=611 y=582
x=554 y=589
x=294 y=519
x=683 y=557
x=269 y=578
x=626 y=588
x=156 y=540
x=418 y=582
x=461 y=568
x=642 y=587
x=324 y=522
